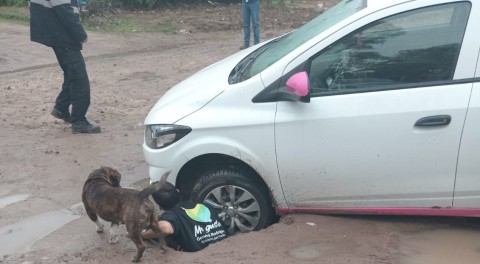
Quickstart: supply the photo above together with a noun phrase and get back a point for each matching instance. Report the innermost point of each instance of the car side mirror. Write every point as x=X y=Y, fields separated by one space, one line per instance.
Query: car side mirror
x=298 y=83
x=295 y=89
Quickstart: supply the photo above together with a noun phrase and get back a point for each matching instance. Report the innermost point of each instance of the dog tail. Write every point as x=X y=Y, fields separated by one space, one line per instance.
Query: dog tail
x=154 y=187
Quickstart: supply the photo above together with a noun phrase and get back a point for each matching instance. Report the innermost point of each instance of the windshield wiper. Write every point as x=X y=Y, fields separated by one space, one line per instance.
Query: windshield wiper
x=243 y=68
x=239 y=70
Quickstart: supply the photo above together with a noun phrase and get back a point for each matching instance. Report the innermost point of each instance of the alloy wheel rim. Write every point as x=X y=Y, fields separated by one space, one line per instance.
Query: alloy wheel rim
x=236 y=206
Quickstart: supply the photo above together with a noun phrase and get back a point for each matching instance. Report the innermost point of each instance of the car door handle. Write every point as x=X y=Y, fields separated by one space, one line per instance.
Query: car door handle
x=438 y=120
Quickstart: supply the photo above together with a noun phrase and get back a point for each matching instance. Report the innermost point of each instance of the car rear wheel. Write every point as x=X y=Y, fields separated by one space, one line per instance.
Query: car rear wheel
x=242 y=203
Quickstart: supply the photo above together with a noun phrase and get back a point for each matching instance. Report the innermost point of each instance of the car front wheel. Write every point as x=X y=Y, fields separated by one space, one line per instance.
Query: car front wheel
x=241 y=202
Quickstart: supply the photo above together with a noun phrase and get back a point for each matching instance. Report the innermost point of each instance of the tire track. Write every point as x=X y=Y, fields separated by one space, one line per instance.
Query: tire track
x=103 y=56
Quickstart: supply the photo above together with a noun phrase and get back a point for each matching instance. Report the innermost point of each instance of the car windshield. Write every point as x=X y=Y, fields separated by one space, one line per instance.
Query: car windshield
x=271 y=52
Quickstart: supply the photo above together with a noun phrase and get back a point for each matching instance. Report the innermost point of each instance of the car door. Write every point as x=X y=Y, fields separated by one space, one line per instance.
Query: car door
x=467 y=185
x=385 y=117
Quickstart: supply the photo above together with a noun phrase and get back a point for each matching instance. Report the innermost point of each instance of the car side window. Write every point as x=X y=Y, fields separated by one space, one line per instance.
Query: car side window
x=417 y=46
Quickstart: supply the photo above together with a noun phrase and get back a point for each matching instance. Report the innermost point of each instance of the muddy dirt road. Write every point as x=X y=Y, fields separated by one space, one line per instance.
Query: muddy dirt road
x=43 y=165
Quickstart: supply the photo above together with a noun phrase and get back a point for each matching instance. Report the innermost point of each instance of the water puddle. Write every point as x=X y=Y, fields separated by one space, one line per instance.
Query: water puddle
x=19 y=237
x=306 y=253
x=8 y=200
x=137 y=178
x=443 y=246
x=22 y=235
x=140 y=184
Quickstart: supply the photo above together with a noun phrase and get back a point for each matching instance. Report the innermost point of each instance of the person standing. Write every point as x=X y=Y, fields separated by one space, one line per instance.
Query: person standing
x=56 y=24
x=82 y=4
x=250 y=12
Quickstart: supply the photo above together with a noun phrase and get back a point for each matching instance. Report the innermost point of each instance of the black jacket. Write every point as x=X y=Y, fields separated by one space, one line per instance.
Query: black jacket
x=195 y=226
x=56 y=23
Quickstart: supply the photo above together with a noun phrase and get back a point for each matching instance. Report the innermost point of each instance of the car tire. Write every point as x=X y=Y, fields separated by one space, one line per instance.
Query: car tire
x=241 y=202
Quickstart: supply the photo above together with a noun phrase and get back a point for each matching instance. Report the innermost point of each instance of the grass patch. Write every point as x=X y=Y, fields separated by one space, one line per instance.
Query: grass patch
x=18 y=15
x=124 y=22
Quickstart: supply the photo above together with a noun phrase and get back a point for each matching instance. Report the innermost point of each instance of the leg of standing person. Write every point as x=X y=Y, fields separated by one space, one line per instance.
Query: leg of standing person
x=82 y=4
x=77 y=85
x=246 y=23
x=255 y=11
x=62 y=103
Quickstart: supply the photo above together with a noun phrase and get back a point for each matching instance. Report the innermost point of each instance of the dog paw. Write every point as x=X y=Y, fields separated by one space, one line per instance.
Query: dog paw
x=99 y=229
x=114 y=240
x=163 y=249
x=99 y=226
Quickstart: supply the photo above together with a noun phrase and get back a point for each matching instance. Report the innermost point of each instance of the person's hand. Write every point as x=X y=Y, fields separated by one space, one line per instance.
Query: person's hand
x=85 y=41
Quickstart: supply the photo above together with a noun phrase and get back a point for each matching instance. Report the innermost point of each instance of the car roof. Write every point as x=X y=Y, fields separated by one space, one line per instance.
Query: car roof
x=381 y=3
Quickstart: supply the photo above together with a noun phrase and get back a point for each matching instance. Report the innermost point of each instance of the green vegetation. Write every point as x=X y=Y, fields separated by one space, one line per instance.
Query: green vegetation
x=143 y=4
x=16 y=3
x=119 y=16
x=14 y=14
x=280 y=2
x=115 y=23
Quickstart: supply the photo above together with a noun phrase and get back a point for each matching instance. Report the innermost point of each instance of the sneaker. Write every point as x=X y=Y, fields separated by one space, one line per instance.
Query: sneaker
x=65 y=116
x=85 y=127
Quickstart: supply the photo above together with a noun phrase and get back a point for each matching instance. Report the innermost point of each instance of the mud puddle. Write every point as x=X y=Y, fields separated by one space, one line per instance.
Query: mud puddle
x=443 y=246
x=307 y=252
x=20 y=236
x=8 y=200
x=137 y=179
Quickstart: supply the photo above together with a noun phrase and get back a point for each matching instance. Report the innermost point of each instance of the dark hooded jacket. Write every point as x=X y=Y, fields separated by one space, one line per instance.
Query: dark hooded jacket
x=56 y=23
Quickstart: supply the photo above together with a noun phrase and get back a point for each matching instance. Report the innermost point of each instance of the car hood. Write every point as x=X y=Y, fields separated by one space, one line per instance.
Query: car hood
x=195 y=92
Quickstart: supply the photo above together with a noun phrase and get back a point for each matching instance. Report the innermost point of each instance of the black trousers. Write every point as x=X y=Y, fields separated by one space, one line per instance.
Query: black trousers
x=76 y=85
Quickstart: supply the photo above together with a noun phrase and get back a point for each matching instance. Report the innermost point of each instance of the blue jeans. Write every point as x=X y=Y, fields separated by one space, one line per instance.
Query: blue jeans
x=250 y=10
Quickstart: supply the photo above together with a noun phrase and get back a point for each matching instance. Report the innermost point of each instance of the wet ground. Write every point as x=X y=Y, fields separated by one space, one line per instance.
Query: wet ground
x=43 y=165
x=296 y=239
x=442 y=246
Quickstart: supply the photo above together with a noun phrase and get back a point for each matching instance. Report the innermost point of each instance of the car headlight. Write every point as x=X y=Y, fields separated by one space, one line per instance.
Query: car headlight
x=160 y=136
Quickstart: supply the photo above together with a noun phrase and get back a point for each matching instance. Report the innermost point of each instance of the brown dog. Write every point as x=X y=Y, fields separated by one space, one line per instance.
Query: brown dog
x=103 y=197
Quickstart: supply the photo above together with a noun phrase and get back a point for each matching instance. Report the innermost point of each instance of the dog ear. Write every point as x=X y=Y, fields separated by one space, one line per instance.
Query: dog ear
x=113 y=176
x=164 y=177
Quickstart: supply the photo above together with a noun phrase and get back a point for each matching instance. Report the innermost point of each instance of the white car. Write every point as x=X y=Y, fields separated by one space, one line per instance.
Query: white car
x=373 y=107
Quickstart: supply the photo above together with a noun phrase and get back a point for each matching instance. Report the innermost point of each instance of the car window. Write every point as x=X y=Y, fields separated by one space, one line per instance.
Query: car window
x=288 y=43
x=417 y=46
